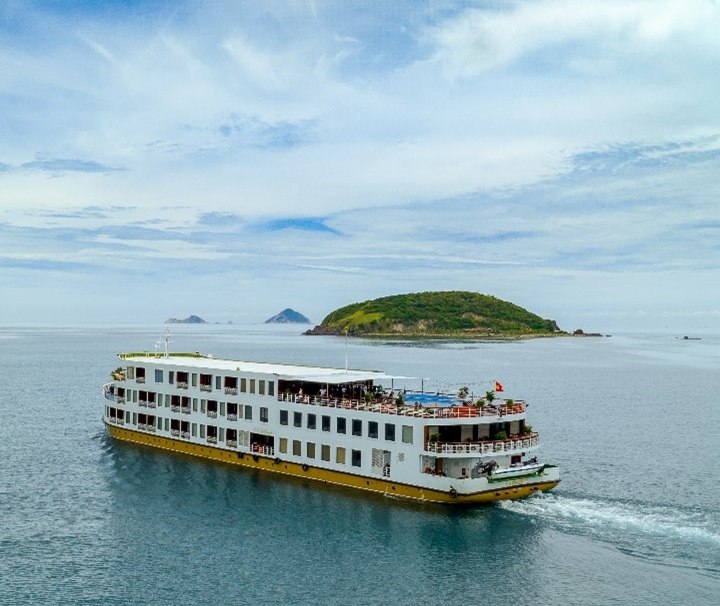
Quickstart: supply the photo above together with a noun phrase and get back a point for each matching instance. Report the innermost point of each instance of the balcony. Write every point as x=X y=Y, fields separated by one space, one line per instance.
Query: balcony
x=211 y=440
x=231 y=391
x=175 y=432
x=120 y=399
x=231 y=443
x=232 y=417
x=485 y=447
x=185 y=435
x=204 y=387
x=151 y=405
x=212 y=414
x=140 y=379
x=142 y=403
x=185 y=410
x=175 y=408
x=182 y=385
x=264 y=450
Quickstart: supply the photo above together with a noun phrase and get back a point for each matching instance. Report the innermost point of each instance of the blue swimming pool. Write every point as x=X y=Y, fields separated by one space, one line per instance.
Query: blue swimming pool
x=428 y=399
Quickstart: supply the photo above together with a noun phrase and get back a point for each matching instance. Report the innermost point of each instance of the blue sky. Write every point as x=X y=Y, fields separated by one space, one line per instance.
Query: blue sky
x=230 y=159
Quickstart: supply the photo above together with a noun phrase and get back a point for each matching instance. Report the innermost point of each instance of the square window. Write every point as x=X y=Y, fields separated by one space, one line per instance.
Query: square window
x=390 y=432
x=341 y=425
x=356 y=427
x=340 y=455
x=310 y=450
x=356 y=458
x=325 y=423
x=311 y=421
x=325 y=452
x=158 y=375
x=297 y=419
x=407 y=434
x=283 y=445
x=283 y=417
x=248 y=413
x=297 y=448
x=372 y=429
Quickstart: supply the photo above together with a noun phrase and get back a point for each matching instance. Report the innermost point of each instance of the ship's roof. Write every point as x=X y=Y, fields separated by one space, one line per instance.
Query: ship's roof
x=289 y=372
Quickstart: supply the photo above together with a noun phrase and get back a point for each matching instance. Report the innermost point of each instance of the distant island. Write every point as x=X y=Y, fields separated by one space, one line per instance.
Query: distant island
x=456 y=314
x=288 y=316
x=188 y=320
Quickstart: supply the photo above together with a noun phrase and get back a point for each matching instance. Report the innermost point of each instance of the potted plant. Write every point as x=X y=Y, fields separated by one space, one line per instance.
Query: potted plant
x=501 y=435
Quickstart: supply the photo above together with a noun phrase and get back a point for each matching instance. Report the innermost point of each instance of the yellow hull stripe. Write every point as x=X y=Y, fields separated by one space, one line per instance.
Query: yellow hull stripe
x=329 y=476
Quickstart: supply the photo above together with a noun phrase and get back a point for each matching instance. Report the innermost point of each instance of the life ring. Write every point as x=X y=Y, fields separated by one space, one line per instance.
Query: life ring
x=304 y=467
x=453 y=493
x=277 y=460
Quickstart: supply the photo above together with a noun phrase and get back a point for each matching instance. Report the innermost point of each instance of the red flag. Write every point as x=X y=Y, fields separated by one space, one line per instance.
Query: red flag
x=498 y=386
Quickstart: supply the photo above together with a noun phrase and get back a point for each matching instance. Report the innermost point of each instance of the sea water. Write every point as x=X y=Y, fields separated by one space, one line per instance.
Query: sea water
x=632 y=420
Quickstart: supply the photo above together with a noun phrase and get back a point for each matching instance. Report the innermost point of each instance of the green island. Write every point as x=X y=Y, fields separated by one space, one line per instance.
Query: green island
x=455 y=314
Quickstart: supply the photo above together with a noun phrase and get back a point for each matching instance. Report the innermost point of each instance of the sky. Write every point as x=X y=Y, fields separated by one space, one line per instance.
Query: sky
x=230 y=159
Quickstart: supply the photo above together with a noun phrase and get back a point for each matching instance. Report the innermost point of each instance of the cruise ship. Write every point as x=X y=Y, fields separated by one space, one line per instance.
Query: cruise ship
x=339 y=426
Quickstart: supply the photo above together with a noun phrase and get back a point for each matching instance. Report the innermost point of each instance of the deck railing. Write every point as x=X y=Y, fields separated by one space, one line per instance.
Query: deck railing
x=212 y=414
x=425 y=412
x=231 y=391
x=485 y=446
x=205 y=387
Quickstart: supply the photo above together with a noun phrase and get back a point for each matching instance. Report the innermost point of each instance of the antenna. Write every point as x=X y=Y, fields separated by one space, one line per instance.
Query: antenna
x=166 y=338
x=346 y=349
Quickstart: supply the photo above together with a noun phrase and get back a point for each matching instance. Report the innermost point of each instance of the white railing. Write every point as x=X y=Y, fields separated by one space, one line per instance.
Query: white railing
x=211 y=440
x=117 y=421
x=264 y=450
x=212 y=414
x=204 y=387
x=140 y=379
x=485 y=446
x=120 y=399
x=182 y=384
x=175 y=432
x=185 y=434
x=151 y=405
x=231 y=391
x=185 y=410
x=232 y=417
x=425 y=412
x=142 y=403
x=175 y=408
x=231 y=443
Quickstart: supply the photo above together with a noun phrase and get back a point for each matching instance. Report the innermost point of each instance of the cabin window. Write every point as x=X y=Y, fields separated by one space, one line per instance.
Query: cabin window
x=221 y=436
x=252 y=385
x=310 y=450
x=283 y=417
x=297 y=448
x=243 y=385
x=407 y=434
x=311 y=421
x=297 y=419
x=261 y=387
x=194 y=379
x=372 y=429
x=159 y=423
x=171 y=376
x=217 y=382
x=283 y=445
x=271 y=388
x=356 y=427
x=195 y=403
x=158 y=375
x=390 y=432
x=130 y=372
x=222 y=409
x=356 y=458
x=325 y=452
x=325 y=423
x=248 y=413
x=134 y=418
x=134 y=394
x=202 y=406
x=167 y=426
x=167 y=400
x=194 y=429
x=263 y=414
x=340 y=455
x=127 y=416
x=341 y=425
x=202 y=430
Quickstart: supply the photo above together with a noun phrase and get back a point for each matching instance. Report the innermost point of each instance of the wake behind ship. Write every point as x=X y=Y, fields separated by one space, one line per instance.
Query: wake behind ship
x=327 y=424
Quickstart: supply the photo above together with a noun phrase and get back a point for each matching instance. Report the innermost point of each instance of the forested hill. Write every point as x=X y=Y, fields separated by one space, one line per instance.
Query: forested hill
x=436 y=314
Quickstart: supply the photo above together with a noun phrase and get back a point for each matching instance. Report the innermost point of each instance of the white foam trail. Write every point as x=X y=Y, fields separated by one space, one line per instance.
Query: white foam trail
x=597 y=516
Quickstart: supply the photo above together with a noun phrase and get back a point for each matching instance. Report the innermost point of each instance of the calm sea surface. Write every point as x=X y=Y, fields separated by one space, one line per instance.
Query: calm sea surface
x=633 y=421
